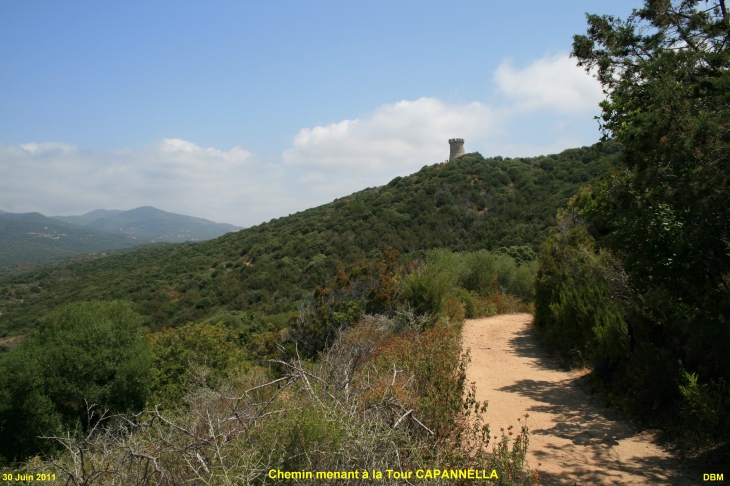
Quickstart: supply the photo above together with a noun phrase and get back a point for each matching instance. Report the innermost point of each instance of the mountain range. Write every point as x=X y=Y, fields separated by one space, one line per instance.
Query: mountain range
x=33 y=237
x=151 y=224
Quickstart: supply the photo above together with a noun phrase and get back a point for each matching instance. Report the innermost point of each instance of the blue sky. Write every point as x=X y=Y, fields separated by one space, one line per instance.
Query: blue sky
x=244 y=111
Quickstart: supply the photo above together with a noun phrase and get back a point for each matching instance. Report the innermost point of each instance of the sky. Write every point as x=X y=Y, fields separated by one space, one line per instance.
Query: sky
x=241 y=112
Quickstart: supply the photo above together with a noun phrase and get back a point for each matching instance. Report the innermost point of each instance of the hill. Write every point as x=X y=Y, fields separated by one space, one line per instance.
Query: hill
x=90 y=216
x=467 y=204
x=31 y=237
x=151 y=224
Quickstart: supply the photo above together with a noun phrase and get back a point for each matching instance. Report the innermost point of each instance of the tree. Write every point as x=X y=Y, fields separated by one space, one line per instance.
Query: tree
x=666 y=74
x=82 y=354
x=665 y=71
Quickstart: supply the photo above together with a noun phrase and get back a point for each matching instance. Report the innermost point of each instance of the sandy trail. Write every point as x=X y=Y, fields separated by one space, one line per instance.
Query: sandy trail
x=574 y=436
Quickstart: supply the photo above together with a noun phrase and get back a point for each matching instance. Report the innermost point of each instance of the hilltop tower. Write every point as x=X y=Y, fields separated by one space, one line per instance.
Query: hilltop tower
x=457 y=148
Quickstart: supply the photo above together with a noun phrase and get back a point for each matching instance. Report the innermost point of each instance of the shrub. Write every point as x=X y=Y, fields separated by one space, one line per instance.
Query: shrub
x=192 y=354
x=704 y=409
x=517 y=279
x=425 y=290
x=432 y=375
x=476 y=305
x=454 y=309
x=452 y=264
x=481 y=272
x=375 y=400
x=93 y=353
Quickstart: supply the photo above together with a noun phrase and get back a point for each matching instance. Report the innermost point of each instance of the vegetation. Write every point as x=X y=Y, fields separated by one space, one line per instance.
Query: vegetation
x=194 y=354
x=32 y=237
x=327 y=340
x=89 y=353
x=377 y=400
x=468 y=204
x=330 y=336
x=635 y=278
x=229 y=401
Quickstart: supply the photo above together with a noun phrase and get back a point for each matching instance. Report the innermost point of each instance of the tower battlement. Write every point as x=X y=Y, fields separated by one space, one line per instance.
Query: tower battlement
x=457 y=148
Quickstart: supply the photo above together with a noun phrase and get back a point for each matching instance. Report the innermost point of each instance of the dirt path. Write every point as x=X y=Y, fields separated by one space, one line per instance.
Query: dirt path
x=574 y=436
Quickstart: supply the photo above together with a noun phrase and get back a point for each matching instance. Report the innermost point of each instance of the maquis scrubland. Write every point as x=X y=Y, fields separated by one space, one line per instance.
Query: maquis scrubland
x=328 y=340
x=313 y=312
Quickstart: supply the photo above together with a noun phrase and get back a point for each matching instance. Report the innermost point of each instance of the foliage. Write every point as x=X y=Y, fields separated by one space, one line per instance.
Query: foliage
x=480 y=274
x=425 y=290
x=432 y=375
x=347 y=412
x=574 y=307
x=432 y=290
x=285 y=292
x=705 y=408
x=648 y=244
x=376 y=382
x=321 y=318
x=91 y=353
x=190 y=355
x=468 y=204
x=468 y=284
x=484 y=274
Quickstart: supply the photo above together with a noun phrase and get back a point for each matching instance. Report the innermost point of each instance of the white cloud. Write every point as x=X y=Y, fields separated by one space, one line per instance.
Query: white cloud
x=552 y=83
x=46 y=147
x=402 y=135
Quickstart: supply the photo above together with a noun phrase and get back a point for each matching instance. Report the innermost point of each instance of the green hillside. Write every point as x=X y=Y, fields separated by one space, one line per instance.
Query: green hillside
x=470 y=203
x=32 y=237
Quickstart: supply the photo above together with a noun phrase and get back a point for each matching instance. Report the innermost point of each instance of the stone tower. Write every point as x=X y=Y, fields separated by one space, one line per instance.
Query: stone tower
x=457 y=148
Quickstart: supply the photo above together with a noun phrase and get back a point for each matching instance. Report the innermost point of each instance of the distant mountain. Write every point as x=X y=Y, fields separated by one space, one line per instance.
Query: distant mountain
x=89 y=217
x=151 y=224
x=33 y=237
x=29 y=237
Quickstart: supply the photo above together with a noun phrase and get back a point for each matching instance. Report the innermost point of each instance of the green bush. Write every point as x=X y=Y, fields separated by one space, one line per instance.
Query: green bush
x=294 y=434
x=484 y=283
x=574 y=307
x=662 y=214
x=705 y=408
x=476 y=305
x=190 y=356
x=425 y=290
x=470 y=302
x=451 y=264
x=517 y=279
x=374 y=400
x=481 y=272
x=87 y=353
